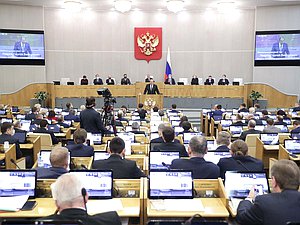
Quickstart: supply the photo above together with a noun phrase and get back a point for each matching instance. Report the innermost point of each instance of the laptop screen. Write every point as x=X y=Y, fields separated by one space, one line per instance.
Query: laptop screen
x=211 y=145
x=3 y=120
x=270 y=138
x=188 y=136
x=44 y=159
x=25 y=124
x=226 y=123
x=98 y=183
x=216 y=156
x=236 y=130
x=293 y=146
x=239 y=184
x=159 y=160
x=101 y=155
x=18 y=182
x=2 y=112
x=283 y=128
x=21 y=117
x=170 y=184
x=96 y=139
x=21 y=137
x=127 y=136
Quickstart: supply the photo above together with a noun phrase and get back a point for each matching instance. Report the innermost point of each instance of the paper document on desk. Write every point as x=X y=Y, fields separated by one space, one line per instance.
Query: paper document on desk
x=100 y=206
x=177 y=205
x=14 y=203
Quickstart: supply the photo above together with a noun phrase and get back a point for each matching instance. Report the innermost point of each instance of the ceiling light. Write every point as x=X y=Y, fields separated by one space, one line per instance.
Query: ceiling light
x=226 y=7
x=123 y=5
x=175 y=6
x=72 y=6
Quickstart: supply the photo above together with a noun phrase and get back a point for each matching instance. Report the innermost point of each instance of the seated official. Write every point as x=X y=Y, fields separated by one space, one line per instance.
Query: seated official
x=69 y=106
x=38 y=118
x=120 y=116
x=251 y=130
x=160 y=139
x=60 y=122
x=151 y=88
x=80 y=149
x=223 y=141
x=240 y=160
x=142 y=112
x=59 y=159
x=297 y=107
x=72 y=116
x=170 y=80
x=223 y=80
x=280 y=121
x=43 y=129
x=136 y=128
x=279 y=207
x=98 y=80
x=201 y=168
x=209 y=81
x=84 y=80
x=18 y=127
x=122 y=168
x=125 y=80
x=239 y=120
x=51 y=115
x=32 y=115
x=217 y=111
x=296 y=127
x=195 y=80
x=168 y=136
x=182 y=119
x=265 y=115
x=187 y=127
x=270 y=128
x=71 y=202
x=243 y=108
x=110 y=81
x=174 y=108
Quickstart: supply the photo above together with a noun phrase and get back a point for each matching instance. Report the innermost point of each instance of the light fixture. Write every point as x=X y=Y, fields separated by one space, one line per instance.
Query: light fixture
x=175 y=6
x=123 y=5
x=226 y=7
x=72 y=6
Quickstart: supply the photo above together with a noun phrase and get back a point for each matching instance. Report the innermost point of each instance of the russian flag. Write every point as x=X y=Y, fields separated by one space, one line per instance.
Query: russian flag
x=168 y=65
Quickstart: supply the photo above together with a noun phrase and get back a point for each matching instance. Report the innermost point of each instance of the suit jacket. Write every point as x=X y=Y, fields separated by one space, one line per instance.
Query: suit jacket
x=277 y=52
x=296 y=130
x=90 y=120
x=106 y=218
x=98 y=81
x=72 y=117
x=271 y=209
x=160 y=140
x=80 y=150
x=122 y=168
x=172 y=146
x=296 y=109
x=110 y=81
x=142 y=113
x=201 y=168
x=223 y=81
x=150 y=91
x=239 y=123
x=209 y=82
x=84 y=81
x=125 y=81
x=45 y=131
x=222 y=148
x=243 y=110
x=240 y=163
x=246 y=132
x=30 y=116
x=167 y=81
x=11 y=140
x=271 y=129
x=195 y=81
x=21 y=52
x=50 y=173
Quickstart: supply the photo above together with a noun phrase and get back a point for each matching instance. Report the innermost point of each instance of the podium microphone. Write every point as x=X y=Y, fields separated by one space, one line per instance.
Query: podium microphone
x=14 y=162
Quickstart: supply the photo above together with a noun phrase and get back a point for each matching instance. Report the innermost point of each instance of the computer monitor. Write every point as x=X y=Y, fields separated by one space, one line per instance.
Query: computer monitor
x=3 y=120
x=211 y=145
x=18 y=182
x=40 y=222
x=135 y=118
x=226 y=123
x=98 y=183
x=20 y=117
x=44 y=159
x=260 y=127
x=212 y=156
x=175 y=123
x=96 y=139
x=177 y=118
x=127 y=136
x=15 y=109
x=171 y=184
x=58 y=110
x=21 y=137
x=283 y=128
x=188 y=136
x=270 y=138
x=239 y=184
x=162 y=160
x=101 y=155
x=2 y=112
x=292 y=145
x=25 y=125
x=235 y=130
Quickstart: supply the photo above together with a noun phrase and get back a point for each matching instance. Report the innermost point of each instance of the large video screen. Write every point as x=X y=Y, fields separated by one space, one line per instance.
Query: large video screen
x=277 y=48
x=22 y=47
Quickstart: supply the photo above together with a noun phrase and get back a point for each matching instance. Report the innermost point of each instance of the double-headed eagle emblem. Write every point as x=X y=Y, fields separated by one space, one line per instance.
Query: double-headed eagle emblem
x=147 y=43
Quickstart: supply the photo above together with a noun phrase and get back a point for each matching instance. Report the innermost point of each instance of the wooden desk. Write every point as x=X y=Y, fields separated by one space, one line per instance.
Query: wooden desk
x=35 y=146
x=265 y=152
x=8 y=155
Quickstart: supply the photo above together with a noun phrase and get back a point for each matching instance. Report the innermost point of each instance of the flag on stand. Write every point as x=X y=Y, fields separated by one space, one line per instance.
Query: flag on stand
x=168 y=65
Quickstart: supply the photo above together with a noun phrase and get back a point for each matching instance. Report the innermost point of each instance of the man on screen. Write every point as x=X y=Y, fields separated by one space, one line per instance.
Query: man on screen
x=22 y=48
x=280 y=49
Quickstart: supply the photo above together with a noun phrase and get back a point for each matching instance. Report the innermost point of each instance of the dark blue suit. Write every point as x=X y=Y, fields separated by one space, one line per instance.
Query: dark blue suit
x=201 y=168
x=160 y=140
x=72 y=117
x=21 y=52
x=171 y=146
x=50 y=173
x=90 y=120
x=11 y=140
x=45 y=131
x=240 y=163
x=280 y=53
x=270 y=209
x=80 y=150
x=222 y=148
x=296 y=130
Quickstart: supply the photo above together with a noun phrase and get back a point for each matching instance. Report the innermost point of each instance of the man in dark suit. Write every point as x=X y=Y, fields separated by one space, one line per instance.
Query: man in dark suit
x=142 y=112
x=170 y=80
x=251 y=130
x=243 y=108
x=59 y=159
x=32 y=115
x=168 y=136
x=296 y=125
x=97 y=80
x=280 y=49
x=136 y=128
x=174 y=108
x=201 y=168
x=110 y=81
x=217 y=112
x=122 y=168
x=240 y=160
x=270 y=128
x=223 y=141
x=151 y=88
x=43 y=130
x=209 y=81
x=161 y=127
x=90 y=119
x=195 y=80
x=80 y=149
x=70 y=198
x=22 y=48
x=279 y=207
x=72 y=116
x=125 y=80
x=84 y=80
x=223 y=80
x=297 y=107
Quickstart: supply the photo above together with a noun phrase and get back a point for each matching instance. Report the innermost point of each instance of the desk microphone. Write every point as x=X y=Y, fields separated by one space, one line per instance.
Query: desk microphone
x=190 y=220
x=14 y=162
x=83 y=193
x=165 y=165
x=84 y=167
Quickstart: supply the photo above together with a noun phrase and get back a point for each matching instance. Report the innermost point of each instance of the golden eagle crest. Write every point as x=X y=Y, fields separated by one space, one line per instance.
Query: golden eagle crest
x=147 y=43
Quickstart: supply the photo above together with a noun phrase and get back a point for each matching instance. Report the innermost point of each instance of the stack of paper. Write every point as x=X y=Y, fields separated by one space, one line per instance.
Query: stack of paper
x=14 y=203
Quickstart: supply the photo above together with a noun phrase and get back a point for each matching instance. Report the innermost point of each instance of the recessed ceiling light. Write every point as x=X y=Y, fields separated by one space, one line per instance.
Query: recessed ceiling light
x=72 y=6
x=175 y=6
x=123 y=5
